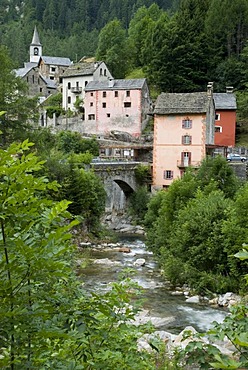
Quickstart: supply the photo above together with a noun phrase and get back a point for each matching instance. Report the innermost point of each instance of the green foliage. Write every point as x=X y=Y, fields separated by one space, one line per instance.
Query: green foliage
x=36 y=278
x=53 y=104
x=142 y=173
x=13 y=101
x=138 y=203
x=68 y=142
x=218 y=170
x=79 y=104
x=114 y=49
x=198 y=224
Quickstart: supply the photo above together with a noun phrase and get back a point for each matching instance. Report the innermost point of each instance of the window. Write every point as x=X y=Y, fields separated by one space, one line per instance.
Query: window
x=36 y=51
x=108 y=115
x=53 y=69
x=40 y=89
x=168 y=174
x=127 y=104
x=187 y=123
x=217 y=117
x=104 y=94
x=104 y=105
x=27 y=78
x=69 y=85
x=127 y=93
x=186 y=139
x=86 y=83
x=218 y=129
x=185 y=159
x=100 y=71
x=91 y=104
x=51 y=77
x=69 y=100
x=105 y=72
x=91 y=117
x=116 y=94
x=91 y=94
x=33 y=78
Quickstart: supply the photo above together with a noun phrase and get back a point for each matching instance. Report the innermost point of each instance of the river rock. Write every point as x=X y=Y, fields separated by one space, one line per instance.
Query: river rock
x=146 y=339
x=143 y=317
x=194 y=299
x=228 y=299
x=107 y=262
x=139 y=262
x=124 y=250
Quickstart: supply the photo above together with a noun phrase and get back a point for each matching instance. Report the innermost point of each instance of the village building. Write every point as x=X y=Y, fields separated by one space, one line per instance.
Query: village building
x=183 y=134
x=117 y=106
x=225 y=118
x=76 y=78
x=42 y=73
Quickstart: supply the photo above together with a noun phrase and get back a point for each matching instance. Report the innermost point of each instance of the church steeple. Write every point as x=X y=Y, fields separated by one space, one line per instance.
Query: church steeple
x=35 y=50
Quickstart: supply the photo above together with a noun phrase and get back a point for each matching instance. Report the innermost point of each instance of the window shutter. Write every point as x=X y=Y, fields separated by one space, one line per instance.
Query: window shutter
x=183 y=123
x=171 y=174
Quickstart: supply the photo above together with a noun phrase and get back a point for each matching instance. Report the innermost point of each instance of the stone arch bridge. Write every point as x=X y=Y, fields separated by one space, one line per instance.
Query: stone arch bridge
x=119 y=181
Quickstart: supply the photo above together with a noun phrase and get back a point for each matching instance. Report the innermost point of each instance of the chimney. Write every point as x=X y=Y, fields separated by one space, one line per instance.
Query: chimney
x=210 y=89
x=111 y=83
x=229 y=89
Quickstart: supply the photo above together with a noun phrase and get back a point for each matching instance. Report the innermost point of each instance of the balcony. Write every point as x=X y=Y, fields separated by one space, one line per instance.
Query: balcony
x=186 y=163
x=76 y=89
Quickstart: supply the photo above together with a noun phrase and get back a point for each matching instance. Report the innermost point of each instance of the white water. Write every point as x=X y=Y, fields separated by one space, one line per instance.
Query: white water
x=158 y=299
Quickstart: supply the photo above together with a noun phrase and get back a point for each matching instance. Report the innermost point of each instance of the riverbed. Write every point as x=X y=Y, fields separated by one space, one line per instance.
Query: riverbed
x=158 y=298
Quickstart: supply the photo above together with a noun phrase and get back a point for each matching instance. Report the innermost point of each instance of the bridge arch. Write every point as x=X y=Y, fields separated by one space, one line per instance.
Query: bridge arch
x=119 y=182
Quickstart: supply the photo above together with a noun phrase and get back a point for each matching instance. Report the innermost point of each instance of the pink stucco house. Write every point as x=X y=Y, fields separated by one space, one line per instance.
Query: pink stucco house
x=116 y=105
x=183 y=133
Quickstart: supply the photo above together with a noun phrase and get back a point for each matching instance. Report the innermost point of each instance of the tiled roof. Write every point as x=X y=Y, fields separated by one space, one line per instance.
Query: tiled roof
x=58 y=61
x=225 y=101
x=176 y=103
x=81 y=69
x=132 y=84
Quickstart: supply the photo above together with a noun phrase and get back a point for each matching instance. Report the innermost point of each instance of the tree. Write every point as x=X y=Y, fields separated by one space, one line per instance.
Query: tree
x=218 y=170
x=35 y=269
x=113 y=49
x=69 y=142
x=13 y=100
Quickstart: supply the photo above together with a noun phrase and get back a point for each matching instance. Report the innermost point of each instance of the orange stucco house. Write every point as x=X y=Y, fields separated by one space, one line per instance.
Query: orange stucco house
x=183 y=133
x=225 y=118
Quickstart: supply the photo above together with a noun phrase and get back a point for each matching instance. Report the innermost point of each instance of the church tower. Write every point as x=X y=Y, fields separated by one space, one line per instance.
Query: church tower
x=35 y=50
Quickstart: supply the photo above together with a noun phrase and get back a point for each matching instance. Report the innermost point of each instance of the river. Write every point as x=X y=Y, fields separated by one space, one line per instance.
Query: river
x=157 y=296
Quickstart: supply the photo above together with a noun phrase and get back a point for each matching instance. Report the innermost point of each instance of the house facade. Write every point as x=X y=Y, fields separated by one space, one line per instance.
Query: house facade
x=76 y=78
x=225 y=118
x=183 y=131
x=117 y=106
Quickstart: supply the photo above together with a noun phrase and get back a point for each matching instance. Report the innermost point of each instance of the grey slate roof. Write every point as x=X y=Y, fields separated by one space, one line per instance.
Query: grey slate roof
x=176 y=103
x=58 y=61
x=35 y=40
x=21 y=72
x=132 y=84
x=81 y=69
x=225 y=101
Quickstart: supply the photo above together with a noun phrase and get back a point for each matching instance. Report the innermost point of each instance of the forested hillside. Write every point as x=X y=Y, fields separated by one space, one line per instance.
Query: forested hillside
x=67 y=27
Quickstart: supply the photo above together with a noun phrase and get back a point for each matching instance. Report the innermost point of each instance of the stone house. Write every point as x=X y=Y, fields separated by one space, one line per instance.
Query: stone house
x=116 y=106
x=225 y=118
x=183 y=133
x=37 y=84
x=77 y=76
